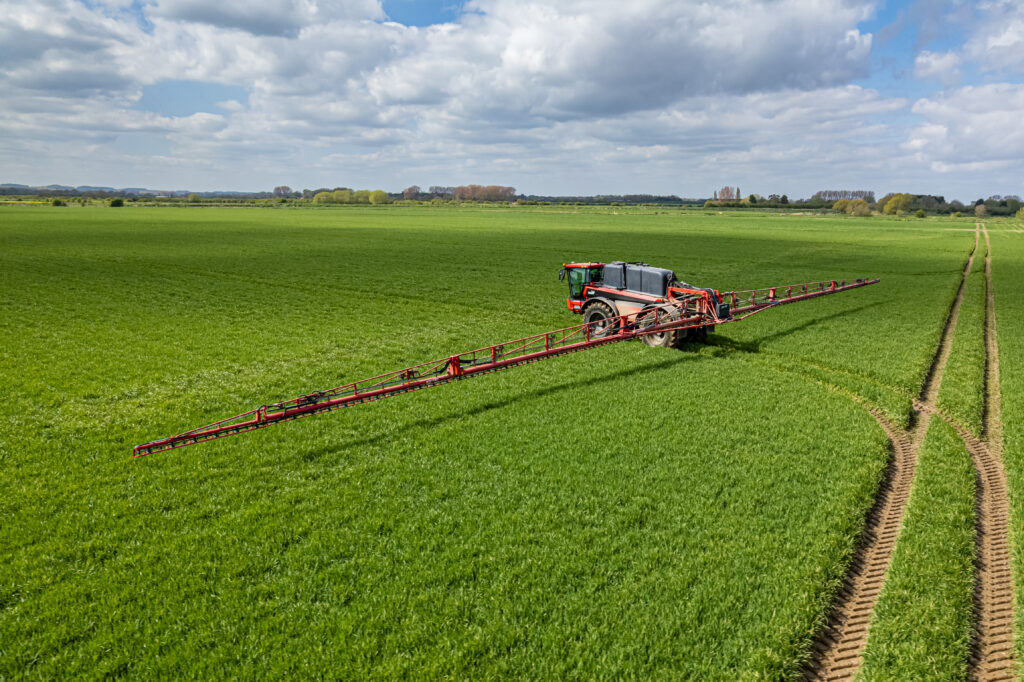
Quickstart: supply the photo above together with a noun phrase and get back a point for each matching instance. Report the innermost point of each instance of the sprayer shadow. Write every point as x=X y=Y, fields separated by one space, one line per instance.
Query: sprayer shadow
x=723 y=346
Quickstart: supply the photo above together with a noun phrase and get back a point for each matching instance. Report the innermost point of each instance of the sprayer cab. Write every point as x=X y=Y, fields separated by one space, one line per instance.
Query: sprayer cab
x=580 y=275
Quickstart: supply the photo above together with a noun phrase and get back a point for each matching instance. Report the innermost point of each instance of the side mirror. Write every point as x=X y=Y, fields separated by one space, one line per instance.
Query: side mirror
x=561 y=274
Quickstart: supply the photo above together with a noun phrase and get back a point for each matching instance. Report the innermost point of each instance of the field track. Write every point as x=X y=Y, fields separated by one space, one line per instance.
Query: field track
x=992 y=650
x=992 y=646
x=838 y=651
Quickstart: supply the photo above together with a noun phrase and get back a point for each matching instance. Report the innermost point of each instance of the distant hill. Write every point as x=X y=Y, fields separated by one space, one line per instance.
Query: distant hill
x=67 y=190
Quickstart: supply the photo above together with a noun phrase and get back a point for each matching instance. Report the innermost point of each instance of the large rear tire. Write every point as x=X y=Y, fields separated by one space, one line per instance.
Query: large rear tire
x=664 y=339
x=602 y=318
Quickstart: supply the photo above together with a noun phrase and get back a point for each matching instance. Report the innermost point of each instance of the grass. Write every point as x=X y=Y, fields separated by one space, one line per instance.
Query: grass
x=627 y=512
x=963 y=384
x=921 y=627
x=876 y=342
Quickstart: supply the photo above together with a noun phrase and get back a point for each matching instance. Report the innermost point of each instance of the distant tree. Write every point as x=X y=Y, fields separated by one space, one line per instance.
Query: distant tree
x=859 y=207
x=1020 y=214
x=752 y=199
x=919 y=213
x=898 y=204
x=193 y=198
x=411 y=192
x=980 y=211
x=837 y=194
x=481 y=193
x=282 y=191
x=117 y=202
x=57 y=202
x=784 y=199
x=725 y=194
x=957 y=214
x=378 y=197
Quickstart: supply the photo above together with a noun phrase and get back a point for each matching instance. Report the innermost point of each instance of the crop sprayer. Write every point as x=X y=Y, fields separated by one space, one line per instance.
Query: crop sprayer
x=619 y=301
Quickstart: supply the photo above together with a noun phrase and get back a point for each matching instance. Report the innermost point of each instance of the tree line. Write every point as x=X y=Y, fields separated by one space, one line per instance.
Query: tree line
x=462 y=193
x=853 y=202
x=863 y=203
x=344 y=195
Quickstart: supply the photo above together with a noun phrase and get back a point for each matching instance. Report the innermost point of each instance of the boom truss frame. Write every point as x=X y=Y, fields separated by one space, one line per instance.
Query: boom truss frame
x=683 y=314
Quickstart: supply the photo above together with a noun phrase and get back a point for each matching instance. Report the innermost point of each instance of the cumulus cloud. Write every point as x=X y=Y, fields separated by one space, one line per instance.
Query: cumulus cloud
x=265 y=17
x=512 y=64
x=997 y=42
x=940 y=66
x=562 y=93
x=970 y=127
x=569 y=59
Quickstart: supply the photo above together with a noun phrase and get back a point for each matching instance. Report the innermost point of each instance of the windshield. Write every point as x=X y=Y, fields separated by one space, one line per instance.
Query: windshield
x=580 y=277
x=577 y=278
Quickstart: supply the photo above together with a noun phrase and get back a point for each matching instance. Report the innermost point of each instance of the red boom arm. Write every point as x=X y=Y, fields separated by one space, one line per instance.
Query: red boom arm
x=498 y=357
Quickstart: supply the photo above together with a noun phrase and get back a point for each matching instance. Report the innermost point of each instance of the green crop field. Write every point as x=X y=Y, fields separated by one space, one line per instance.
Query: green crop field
x=626 y=512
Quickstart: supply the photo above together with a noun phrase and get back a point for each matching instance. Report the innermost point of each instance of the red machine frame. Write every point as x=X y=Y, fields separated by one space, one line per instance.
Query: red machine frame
x=495 y=358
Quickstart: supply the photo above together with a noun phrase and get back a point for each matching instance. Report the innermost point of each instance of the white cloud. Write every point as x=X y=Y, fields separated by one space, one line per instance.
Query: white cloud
x=997 y=42
x=971 y=128
x=940 y=66
x=569 y=59
x=265 y=17
x=570 y=96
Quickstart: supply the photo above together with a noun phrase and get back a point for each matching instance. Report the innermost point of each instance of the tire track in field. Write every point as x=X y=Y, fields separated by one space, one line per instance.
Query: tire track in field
x=992 y=647
x=991 y=655
x=839 y=648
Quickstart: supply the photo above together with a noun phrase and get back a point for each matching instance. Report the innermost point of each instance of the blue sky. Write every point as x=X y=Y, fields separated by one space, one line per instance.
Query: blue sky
x=422 y=12
x=553 y=97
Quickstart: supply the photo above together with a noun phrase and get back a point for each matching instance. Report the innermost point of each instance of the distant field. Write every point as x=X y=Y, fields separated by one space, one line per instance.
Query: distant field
x=625 y=512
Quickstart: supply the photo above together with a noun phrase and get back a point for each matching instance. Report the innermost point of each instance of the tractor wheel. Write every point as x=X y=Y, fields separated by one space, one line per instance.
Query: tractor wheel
x=683 y=337
x=602 y=318
x=665 y=339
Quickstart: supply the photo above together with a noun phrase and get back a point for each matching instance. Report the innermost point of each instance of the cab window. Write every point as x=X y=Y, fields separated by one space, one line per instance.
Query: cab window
x=577 y=278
